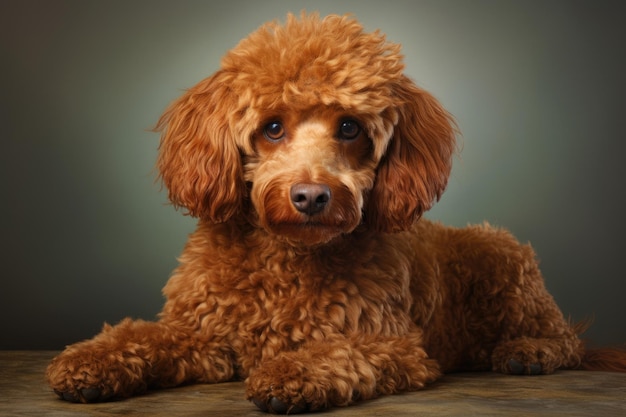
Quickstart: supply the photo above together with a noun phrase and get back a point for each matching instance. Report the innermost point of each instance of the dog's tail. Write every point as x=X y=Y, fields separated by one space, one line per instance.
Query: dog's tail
x=611 y=359
x=604 y=359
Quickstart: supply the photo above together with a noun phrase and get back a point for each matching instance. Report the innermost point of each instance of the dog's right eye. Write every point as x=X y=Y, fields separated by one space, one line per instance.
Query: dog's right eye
x=274 y=131
x=349 y=130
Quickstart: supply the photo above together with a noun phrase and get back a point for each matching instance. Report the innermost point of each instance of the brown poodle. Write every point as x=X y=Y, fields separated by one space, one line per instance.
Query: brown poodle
x=308 y=158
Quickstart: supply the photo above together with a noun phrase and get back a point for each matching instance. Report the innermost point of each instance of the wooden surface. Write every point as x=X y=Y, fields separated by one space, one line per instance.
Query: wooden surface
x=23 y=392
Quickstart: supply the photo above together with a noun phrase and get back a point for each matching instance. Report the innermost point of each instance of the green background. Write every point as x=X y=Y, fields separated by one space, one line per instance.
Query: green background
x=537 y=88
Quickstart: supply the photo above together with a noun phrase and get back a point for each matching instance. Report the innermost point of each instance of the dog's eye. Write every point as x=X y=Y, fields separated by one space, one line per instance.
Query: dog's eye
x=274 y=131
x=349 y=130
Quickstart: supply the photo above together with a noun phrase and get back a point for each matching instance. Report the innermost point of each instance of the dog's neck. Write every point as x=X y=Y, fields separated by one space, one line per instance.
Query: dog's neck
x=237 y=232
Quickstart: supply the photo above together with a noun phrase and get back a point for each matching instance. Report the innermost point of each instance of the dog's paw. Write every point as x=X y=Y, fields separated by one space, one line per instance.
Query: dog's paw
x=286 y=385
x=78 y=382
x=282 y=397
x=526 y=357
x=86 y=376
x=276 y=406
x=515 y=367
x=84 y=395
x=77 y=377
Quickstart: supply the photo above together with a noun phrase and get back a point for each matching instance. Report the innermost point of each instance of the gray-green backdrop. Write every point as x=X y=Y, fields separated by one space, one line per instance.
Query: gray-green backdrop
x=537 y=87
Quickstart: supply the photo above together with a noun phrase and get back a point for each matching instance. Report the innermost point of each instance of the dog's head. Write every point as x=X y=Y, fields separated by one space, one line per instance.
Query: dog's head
x=308 y=130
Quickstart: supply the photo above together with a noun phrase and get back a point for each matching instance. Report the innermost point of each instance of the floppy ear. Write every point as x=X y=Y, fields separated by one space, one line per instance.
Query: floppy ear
x=414 y=170
x=199 y=161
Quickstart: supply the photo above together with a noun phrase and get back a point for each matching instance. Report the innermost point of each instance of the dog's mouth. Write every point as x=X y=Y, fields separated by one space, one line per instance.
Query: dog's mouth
x=298 y=214
x=309 y=232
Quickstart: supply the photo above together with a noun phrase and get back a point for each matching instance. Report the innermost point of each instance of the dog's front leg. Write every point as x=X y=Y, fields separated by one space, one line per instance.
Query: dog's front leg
x=340 y=371
x=126 y=359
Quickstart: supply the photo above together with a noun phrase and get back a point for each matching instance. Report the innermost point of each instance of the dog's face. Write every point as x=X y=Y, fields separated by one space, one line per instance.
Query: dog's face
x=309 y=173
x=308 y=130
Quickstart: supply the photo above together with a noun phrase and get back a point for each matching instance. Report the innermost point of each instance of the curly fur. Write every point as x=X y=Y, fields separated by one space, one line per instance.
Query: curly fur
x=357 y=299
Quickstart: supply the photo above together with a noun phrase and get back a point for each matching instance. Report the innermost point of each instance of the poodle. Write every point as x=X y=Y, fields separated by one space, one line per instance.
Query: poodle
x=308 y=159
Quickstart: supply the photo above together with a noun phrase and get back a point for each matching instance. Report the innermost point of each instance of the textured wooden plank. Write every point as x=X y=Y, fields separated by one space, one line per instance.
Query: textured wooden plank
x=23 y=392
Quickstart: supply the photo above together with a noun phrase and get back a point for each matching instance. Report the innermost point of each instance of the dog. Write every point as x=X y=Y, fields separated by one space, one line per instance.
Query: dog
x=309 y=158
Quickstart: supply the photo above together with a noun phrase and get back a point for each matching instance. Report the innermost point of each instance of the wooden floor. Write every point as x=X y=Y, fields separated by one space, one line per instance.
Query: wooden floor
x=23 y=392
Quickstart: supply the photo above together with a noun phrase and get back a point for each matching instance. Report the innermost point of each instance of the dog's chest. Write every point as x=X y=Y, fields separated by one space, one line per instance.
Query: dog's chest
x=285 y=302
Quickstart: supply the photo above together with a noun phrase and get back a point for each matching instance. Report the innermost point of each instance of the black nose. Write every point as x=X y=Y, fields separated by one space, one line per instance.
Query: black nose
x=310 y=198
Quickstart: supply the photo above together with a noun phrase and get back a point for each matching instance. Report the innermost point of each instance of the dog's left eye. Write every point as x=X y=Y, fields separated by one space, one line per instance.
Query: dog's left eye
x=349 y=130
x=274 y=131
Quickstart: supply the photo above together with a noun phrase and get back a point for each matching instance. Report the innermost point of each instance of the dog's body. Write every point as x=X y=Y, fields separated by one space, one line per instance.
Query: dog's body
x=309 y=158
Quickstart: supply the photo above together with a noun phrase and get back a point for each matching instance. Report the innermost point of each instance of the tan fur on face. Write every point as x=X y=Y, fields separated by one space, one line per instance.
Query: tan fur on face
x=310 y=153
